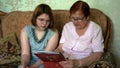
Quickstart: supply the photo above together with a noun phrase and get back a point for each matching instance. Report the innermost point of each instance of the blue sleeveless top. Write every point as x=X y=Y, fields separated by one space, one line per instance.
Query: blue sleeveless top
x=35 y=44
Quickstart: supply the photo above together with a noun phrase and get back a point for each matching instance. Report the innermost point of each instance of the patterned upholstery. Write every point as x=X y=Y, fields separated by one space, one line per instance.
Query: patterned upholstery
x=9 y=50
x=16 y=20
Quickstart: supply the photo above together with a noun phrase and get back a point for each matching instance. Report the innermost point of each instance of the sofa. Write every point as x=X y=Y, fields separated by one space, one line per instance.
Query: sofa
x=11 y=23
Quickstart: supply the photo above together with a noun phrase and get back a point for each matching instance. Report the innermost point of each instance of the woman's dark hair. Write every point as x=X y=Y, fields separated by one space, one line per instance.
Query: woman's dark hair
x=40 y=9
x=82 y=6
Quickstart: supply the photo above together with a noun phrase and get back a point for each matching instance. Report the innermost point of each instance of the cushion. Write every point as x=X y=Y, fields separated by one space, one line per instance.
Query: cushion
x=9 y=49
x=107 y=61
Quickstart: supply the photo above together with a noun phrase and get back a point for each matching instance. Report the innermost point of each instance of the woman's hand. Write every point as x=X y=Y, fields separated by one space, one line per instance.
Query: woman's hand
x=70 y=64
x=58 y=50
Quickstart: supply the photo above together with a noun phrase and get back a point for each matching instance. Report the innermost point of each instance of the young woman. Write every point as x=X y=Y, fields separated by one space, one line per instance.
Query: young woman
x=40 y=36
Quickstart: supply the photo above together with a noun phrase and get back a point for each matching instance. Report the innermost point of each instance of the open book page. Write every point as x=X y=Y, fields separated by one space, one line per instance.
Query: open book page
x=46 y=56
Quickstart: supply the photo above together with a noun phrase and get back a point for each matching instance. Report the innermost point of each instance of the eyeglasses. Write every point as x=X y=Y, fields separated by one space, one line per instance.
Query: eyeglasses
x=43 y=20
x=78 y=19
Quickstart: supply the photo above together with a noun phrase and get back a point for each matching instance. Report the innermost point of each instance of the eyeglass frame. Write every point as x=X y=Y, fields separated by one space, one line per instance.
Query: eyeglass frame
x=42 y=20
x=77 y=19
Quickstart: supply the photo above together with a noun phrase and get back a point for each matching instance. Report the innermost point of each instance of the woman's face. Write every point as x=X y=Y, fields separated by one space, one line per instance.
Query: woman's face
x=42 y=21
x=78 y=19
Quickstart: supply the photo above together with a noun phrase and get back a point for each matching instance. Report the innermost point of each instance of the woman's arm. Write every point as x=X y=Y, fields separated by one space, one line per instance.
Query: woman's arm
x=25 y=49
x=59 y=48
x=97 y=47
x=52 y=44
x=90 y=59
x=82 y=62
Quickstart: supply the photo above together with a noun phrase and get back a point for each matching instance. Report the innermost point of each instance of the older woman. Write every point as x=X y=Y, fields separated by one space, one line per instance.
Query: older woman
x=81 y=40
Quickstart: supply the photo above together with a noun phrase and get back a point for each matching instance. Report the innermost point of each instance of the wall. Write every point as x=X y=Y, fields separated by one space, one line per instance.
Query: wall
x=110 y=8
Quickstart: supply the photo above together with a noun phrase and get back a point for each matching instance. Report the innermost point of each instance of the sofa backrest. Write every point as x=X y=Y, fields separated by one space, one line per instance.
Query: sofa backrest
x=16 y=20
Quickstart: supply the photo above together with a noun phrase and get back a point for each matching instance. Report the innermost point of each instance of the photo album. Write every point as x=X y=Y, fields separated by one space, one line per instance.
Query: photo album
x=47 y=56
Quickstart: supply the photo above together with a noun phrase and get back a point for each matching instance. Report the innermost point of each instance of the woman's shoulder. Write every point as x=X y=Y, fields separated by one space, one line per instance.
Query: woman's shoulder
x=28 y=29
x=52 y=31
x=69 y=25
x=55 y=31
x=95 y=25
x=29 y=26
